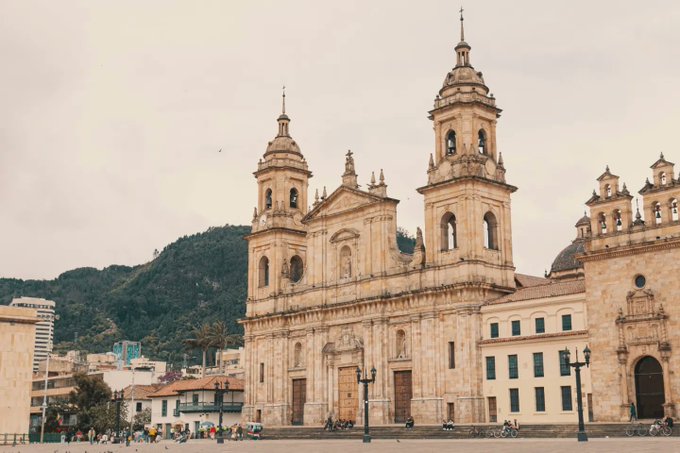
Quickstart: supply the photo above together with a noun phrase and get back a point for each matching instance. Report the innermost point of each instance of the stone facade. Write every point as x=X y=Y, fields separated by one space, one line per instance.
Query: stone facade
x=329 y=291
x=17 y=341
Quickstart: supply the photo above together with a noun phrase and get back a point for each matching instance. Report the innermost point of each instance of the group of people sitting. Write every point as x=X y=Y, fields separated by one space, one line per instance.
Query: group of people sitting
x=447 y=426
x=334 y=425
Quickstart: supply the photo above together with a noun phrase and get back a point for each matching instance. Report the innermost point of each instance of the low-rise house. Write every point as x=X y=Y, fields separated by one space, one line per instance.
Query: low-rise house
x=195 y=403
x=137 y=397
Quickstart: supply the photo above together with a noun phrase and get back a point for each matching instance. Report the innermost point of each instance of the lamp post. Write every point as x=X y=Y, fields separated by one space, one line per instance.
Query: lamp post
x=581 y=435
x=366 y=380
x=117 y=398
x=220 y=389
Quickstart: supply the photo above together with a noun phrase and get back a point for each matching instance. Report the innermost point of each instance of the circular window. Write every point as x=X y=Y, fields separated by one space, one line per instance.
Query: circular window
x=640 y=281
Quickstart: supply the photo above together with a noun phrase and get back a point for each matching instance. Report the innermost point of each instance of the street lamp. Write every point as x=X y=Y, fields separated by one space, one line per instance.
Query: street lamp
x=220 y=389
x=581 y=435
x=366 y=380
x=117 y=398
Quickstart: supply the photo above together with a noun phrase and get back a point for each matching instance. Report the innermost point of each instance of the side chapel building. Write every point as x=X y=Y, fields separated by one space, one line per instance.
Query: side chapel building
x=452 y=330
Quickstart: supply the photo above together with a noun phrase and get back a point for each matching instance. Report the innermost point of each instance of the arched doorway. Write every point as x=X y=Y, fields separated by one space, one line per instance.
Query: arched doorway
x=649 y=391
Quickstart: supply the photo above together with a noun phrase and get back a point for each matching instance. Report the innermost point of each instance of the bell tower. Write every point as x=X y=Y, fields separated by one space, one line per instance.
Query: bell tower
x=276 y=245
x=467 y=201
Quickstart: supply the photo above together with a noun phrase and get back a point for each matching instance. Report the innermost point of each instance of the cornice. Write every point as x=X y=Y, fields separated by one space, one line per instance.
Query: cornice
x=627 y=250
x=458 y=179
x=532 y=338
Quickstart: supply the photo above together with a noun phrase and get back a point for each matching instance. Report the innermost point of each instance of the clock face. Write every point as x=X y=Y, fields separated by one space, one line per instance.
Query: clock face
x=490 y=166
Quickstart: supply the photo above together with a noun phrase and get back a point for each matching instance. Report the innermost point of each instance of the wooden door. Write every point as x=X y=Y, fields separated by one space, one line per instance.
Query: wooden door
x=403 y=393
x=493 y=411
x=348 y=394
x=299 y=399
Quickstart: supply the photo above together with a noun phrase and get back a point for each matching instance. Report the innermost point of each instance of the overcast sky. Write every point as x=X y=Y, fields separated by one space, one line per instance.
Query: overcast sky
x=112 y=113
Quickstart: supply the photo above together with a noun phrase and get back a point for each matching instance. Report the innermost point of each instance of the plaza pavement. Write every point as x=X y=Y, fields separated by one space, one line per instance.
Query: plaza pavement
x=617 y=445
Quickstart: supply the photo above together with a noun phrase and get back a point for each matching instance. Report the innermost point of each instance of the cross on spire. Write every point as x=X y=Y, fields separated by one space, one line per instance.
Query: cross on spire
x=462 y=31
x=283 y=102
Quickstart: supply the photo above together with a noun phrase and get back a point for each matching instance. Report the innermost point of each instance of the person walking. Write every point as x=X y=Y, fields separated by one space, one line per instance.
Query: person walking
x=633 y=412
x=91 y=435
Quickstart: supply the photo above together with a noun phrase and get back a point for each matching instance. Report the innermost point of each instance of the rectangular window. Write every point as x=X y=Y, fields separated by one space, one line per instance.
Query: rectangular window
x=566 y=322
x=176 y=408
x=138 y=407
x=494 y=329
x=194 y=398
x=516 y=328
x=540 y=399
x=540 y=325
x=565 y=369
x=514 y=400
x=261 y=372
x=164 y=408
x=566 y=398
x=513 y=372
x=538 y=364
x=452 y=354
x=490 y=368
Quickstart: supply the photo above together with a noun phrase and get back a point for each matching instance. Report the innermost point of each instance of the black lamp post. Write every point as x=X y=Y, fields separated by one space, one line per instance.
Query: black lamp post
x=581 y=435
x=366 y=380
x=220 y=389
x=117 y=398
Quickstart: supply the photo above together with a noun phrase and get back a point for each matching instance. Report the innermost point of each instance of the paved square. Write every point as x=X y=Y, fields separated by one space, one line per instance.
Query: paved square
x=638 y=445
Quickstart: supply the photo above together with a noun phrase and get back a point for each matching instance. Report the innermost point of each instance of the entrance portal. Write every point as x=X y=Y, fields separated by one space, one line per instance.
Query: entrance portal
x=403 y=393
x=347 y=394
x=299 y=399
x=649 y=391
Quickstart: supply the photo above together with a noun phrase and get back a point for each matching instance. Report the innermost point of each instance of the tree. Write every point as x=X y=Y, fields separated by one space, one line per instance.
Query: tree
x=103 y=417
x=91 y=392
x=201 y=338
x=170 y=376
x=221 y=338
x=142 y=419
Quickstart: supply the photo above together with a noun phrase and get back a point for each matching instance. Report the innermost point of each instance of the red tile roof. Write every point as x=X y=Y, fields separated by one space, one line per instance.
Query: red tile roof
x=550 y=289
x=141 y=392
x=524 y=280
x=206 y=383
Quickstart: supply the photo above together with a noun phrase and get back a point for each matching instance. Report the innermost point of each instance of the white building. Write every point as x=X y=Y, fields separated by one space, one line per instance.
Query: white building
x=194 y=403
x=44 y=330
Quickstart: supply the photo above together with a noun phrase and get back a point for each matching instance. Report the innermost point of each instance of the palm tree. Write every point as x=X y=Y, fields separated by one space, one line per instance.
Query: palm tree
x=221 y=338
x=201 y=338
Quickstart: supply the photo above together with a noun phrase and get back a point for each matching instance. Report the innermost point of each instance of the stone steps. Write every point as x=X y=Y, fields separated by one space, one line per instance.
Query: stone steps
x=436 y=431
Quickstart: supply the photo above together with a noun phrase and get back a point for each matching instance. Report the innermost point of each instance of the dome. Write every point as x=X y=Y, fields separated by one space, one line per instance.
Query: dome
x=464 y=75
x=566 y=259
x=283 y=144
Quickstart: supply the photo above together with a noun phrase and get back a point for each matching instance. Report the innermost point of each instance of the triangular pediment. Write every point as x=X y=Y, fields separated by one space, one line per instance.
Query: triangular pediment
x=341 y=200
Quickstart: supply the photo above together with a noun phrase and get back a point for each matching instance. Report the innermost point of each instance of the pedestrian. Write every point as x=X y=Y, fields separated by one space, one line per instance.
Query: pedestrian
x=239 y=432
x=91 y=435
x=633 y=412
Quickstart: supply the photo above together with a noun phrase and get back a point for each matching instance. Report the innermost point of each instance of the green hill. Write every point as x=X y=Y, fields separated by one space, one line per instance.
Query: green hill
x=196 y=279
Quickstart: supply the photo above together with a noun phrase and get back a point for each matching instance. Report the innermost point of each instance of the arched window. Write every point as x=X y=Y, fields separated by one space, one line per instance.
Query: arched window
x=297 y=355
x=481 y=139
x=490 y=231
x=617 y=220
x=293 y=198
x=400 y=346
x=663 y=179
x=296 y=269
x=345 y=262
x=268 y=199
x=451 y=143
x=448 y=232
x=608 y=189
x=657 y=213
x=674 y=210
x=263 y=274
x=603 y=223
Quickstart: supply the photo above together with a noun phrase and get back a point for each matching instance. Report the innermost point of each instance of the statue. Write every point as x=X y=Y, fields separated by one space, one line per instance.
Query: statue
x=349 y=163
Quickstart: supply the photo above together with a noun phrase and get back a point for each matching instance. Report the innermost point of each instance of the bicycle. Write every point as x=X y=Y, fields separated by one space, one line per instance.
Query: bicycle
x=476 y=432
x=659 y=427
x=632 y=429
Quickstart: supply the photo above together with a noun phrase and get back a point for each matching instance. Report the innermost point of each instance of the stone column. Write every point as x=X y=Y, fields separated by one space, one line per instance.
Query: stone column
x=622 y=354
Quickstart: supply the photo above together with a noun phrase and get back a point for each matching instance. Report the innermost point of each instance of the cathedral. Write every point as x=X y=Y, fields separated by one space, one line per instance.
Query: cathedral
x=451 y=329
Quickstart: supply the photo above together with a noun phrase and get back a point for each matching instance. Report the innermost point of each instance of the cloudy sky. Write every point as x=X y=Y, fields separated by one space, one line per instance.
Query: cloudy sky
x=112 y=113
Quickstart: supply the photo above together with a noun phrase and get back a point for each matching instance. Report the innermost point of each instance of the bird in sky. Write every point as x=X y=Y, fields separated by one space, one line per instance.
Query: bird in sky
x=220 y=150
